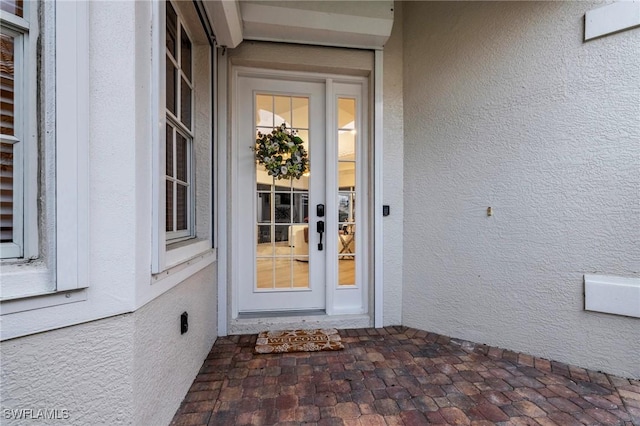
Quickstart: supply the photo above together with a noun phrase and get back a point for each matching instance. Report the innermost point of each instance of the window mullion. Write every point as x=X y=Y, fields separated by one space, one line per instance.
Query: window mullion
x=175 y=182
x=179 y=68
x=177 y=124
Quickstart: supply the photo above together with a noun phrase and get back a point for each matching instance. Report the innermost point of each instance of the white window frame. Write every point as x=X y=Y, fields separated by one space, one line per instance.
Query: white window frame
x=24 y=34
x=172 y=255
x=187 y=131
x=65 y=157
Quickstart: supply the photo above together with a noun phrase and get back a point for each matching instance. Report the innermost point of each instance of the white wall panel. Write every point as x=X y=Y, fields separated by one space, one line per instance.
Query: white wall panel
x=611 y=18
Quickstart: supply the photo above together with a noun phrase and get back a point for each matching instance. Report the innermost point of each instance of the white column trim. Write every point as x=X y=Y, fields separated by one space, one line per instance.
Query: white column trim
x=72 y=142
x=222 y=192
x=378 y=256
x=158 y=120
x=330 y=189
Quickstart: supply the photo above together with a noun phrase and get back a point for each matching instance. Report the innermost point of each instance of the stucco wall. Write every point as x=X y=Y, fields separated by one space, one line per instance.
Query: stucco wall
x=392 y=174
x=506 y=106
x=102 y=364
x=86 y=370
x=129 y=369
x=166 y=362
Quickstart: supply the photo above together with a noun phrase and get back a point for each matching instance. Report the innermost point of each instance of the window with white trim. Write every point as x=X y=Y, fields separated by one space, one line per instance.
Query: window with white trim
x=43 y=153
x=183 y=145
x=179 y=129
x=14 y=122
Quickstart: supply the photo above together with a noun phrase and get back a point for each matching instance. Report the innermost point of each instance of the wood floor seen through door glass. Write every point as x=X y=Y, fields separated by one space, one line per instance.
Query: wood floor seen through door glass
x=280 y=270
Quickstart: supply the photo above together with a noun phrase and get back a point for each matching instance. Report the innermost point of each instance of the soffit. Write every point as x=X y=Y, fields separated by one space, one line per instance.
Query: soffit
x=357 y=24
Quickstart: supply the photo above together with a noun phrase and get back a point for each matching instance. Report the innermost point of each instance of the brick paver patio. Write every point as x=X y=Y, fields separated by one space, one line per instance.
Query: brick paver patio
x=401 y=376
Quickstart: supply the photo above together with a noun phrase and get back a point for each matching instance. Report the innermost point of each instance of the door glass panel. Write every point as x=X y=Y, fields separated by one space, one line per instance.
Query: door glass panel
x=347 y=270
x=281 y=240
x=346 y=113
x=264 y=273
x=282 y=207
x=347 y=175
x=346 y=209
x=282 y=110
x=346 y=145
x=265 y=244
x=300 y=112
x=264 y=112
x=283 y=275
x=264 y=207
x=304 y=135
x=346 y=162
x=301 y=272
x=300 y=207
x=282 y=204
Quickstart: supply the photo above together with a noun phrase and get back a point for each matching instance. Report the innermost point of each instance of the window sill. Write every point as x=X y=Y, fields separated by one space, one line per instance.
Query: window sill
x=25 y=279
x=183 y=251
x=184 y=257
x=39 y=301
x=10 y=252
x=174 y=275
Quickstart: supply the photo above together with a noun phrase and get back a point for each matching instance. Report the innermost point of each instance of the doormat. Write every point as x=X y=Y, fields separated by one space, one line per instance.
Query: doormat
x=298 y=341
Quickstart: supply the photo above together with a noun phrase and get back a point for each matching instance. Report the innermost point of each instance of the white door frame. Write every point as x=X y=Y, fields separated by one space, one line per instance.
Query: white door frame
x=249 y=298
x=225 y=174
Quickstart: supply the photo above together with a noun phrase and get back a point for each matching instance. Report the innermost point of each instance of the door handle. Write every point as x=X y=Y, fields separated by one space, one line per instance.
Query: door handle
x=320 y=230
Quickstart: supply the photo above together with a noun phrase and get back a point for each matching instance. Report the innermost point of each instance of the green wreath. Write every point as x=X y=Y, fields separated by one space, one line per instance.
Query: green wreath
x=282 y=153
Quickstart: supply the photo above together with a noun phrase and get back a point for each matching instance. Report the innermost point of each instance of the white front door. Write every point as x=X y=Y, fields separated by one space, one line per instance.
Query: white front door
x=283 y=262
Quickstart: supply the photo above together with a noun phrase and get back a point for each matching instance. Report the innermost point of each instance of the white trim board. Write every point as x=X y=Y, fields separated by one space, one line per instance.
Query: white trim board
x=222 y=192
x=612 y=295
x=329 y=26
x=378 y=233
x=72 y=148
x=610 y=19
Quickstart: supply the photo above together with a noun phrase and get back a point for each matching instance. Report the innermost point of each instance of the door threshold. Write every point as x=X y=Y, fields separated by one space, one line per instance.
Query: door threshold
x=247 y=323
x=276 y=314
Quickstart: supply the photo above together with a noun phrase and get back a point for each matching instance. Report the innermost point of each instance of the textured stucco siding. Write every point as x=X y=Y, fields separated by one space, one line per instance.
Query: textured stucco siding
x=506 y=106
x=86 y=370
x=131 y=369
x=166 y=362
x=104 y=364
x=393 y=194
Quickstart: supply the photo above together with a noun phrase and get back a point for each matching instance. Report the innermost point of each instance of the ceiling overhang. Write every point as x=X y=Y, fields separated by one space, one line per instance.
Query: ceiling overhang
x=355 y=24
x=224 y=17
